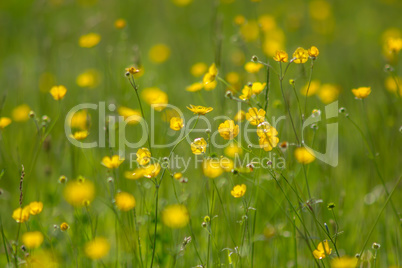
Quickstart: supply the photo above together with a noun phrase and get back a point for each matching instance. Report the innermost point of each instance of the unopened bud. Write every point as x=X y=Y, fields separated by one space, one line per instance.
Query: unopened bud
x=376 y=246
x=208 y=131
x=229 y=94
x=254 y=58
x=31 y=114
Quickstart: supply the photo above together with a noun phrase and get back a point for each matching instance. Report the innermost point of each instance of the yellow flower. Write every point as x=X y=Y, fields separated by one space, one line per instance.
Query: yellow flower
x=120 y=23
x=134 y=115
x=4 y=121
x=80 y=120
x=124 y=201
x=228 y=130
x=344 y=262
x=97 y=248
x=32 y=240
x=200 y=110
x=88 y=79
x=320 y=252
x=328 y=93
x=255 y=116
x=313 y=52
x=112 y=162
x=159 y=53
x=267 y=136
x=195 y=87
x=181 y=3
x=267 y=23
x=21 y=215
x=58 y=92
x=135 y=174
x=313 y=89
x=212 y=168
x=392 y=86
x=175 y=216
x=155 y=97
x=232 y=150
x=250 y=31
x=320 y=9
x=258 y=87
x=247 y=92
x=394 y=45
x=281 y=56
x=198 y=69
x=239 y=20
x=64 y=226
x=199 y=146
x=80 y=135
x=132 y=70
x=143 y=156
x=253 y=67
x=361 y=92
x=303 y=156
x=177 y=176
x=226 y=163
x=209 y=78
x=35 y=208
x=240 y=116
x=238 y=191
x=233 y=78
x=300 y=55
x=79 y=193
x=176 y=123
x=21 y=113
x=89 y=40
x=151 y=171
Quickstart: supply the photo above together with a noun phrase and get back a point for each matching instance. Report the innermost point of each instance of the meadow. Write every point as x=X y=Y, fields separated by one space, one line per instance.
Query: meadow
x=189 y=133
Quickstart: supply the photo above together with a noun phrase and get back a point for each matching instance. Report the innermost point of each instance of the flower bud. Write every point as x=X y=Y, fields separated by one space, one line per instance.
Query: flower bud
x=254 y=58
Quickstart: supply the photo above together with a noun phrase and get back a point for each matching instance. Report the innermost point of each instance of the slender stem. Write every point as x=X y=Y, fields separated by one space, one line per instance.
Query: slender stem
x=308 y=86
x=156 y=223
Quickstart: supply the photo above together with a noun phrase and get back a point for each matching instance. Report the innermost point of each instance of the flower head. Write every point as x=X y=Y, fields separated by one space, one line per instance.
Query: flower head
x=247 y=92
x=238 y=191
x=124 y=201
x=176 y=123
x=281 y=56
x=4 y=121
x=88 y=79
x=120 y=23
x=313 y=88
x=58 y=92
x=212 y=168
x=80 y=135
x=131 y=116
x=89 y=40
x=253 y=67
x=21 y=215
x=195 y=87
x=200 y=110
x=361 y=92
x=228 y=130
x=159 y=53
x=32 y=240
x=240 y=116
x=21 y=113
x=35 y=208
x=313 y=52
x=300 y=55
x=80 y=120
x=97 y=248
x=257 y=87
x=143 y=156
x=233 y=149
x=209 y=79
x=199 y=146
x=322 y=250
x=64 y=226
x=267 y=136
x=155 y=97
x=255 y=116
x=344 y=262
x=198 y=69
x=151 y=171
x=303 y=156
x=79 y=193
x=112 y=162
x=175 y=216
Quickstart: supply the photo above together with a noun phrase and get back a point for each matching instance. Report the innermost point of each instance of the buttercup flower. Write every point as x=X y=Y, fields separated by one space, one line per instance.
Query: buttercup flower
x=151 y=171
x=209 y=78
x=175 y=216
x=32 y=240
x=89 y=40
x=391 y=84
x=4 y=121
x=80 y=120
x=132 y=116
x=88 y=79
x=112 y=162
x=247 y=92
x=238 y=191
x=80 y=135
x=97 y=248
x=195 y=87
x=281 y=56
x=132 y=70
x=253 y=67
x=250 y=31
x=64 y=226
x=21 y=215
x=212 y=168
x=135 y=174
x=313 y=52
x=394 y=45
x=143 y=156
x=200 y=110
x=240 y=116
x=300 y=55
x=255 y=116
x=120 y=23
x=361 y=92
x=267 y=136
x=178 y=176
x=58 y=92
x=228 y=130
x=322 y=250
x=124 y=201
x=35 y=208
x=232 y=150
x=159 y=53
x=239 y=20
x=199 y=146
x=198 y=69
x=303 y=156
x=313 y=89
x=257 y=87
x=226 y=163
x=21 y=113
x=79 y=193
x=328 y=93
x=176 y=123
x=344 y=262
x=155 y=97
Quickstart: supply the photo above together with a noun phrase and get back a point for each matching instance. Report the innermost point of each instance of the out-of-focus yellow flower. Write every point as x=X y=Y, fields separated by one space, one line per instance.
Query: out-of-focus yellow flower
x=124 y=201
x=175 y=216
x=168 y=114
x=32 y=240
x=198 y=69
x=267 y=23
x=271 y=45
x=253 y=67
x=237 y=57
x=300 y=55
x=97 y=248
x=89 y=40
x=35 y=208
x=257 y=87
x=155 y=97
x=79 y=193
x=176 y=123
x=267 y=136
x=80 y=135
x=322 y=250
x=132 y=70
x=181 y=3
x=392 y=84
x=269 y=231
x=178 y=176
x=238 y=190
x=344 y=262
x=239 y=20
x=246 y=93
x=394 y=45
x=228 y=130
x=313 y=52
x=143 y=156
x=250 y=31
x=21 y=215
x=151 y=171
x=313 y=89
x=255 y=116
x=159 y=53
x=64 y=226
x=303 y=156
x=120 y=23
x=200 y=110
x=4 y=121
x=58 y=92
x=233 y=78
x=80 y=120
x=112 y=162
x=361 y=92
x=328 y=93
x=232 y=150
x=195 y=87
x=227 y=164
x=21 y=113
x=281 y=56
x=132 y=116
x=198 y=146
x=135 y=174
x=42 y=258
x=320 y=9
x=88 y=79
x=209 y=78
x=240 y=116
x=212 y=168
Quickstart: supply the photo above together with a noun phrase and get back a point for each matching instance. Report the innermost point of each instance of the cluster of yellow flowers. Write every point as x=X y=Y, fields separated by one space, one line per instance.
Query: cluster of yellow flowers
x=22 y=214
